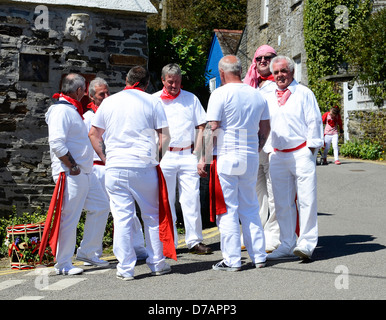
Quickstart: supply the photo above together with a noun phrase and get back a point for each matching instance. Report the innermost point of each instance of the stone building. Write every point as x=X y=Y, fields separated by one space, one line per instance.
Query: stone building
x=278 y=23
x=40 y=42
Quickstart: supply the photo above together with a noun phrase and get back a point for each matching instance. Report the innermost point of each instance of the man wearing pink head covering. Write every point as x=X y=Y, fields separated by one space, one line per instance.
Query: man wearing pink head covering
x=259 y=76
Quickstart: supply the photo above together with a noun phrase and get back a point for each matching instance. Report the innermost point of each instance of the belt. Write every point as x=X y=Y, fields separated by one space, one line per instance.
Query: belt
x=99 y=163
x=180 y=149
x=293 y=149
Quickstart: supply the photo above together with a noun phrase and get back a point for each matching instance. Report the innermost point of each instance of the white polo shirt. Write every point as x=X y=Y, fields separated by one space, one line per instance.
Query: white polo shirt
x=184 y=114
x=129 y=119
x=67 y=132
x=297 y=121
x=239 y=108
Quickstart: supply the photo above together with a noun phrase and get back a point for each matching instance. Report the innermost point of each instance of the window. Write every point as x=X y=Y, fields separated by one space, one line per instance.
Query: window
x=212 y=85
x=298 y=69
x=264 y=12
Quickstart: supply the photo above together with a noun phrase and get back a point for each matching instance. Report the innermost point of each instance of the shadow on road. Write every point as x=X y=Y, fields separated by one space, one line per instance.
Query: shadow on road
x=344 y=245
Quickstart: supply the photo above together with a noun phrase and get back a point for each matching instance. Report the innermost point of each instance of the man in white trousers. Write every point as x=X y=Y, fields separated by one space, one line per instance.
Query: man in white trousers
x=128 y=121
x=260 y=77
x=297 y=134
x=186 y=119
x=238 y=116
x=98 y=90
x=72 y=153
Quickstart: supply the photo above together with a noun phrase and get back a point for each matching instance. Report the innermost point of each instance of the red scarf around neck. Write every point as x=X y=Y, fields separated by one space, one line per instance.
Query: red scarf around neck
x=167 y=96
x=92 y=106
x=270 y=77
x=74 y=102
x=134 y=86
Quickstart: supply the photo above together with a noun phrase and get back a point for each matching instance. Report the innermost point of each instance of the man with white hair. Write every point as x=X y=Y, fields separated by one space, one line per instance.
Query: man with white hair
x=238 y=116
x=72 y=155
x=297 y=134
x=186 y=119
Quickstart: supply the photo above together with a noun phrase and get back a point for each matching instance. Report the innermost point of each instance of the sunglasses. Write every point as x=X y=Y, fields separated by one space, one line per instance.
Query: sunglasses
x=258 y=59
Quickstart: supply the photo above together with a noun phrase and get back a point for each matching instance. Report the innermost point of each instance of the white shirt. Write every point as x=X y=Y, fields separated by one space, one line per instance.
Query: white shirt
x=268 y=87
x=67 y=132
x=297 y=121
x=88 y=116
x=129 y=119
x=184 y=114
x=239 y=108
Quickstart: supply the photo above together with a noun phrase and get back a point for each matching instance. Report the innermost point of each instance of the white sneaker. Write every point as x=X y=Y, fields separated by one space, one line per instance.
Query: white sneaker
x=94 y=261
x=280 y=255
x=260 y=265
x=164 y=270
x=68 y=270
x=303 y=254
x=124 y=278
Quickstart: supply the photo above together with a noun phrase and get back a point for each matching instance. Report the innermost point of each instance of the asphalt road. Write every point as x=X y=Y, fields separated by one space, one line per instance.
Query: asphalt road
x=348 y=263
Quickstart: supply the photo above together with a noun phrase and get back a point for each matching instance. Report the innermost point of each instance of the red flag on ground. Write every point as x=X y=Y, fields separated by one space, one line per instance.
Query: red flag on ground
x=166 y=230
x=216 y=197
x=50 y=235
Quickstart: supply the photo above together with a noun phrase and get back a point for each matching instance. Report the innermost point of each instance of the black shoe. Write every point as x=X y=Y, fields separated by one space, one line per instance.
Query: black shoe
x=200 y=248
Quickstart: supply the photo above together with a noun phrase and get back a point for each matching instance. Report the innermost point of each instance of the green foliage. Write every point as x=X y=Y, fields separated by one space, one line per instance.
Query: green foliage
x=363 y=150
x=366 y=53
x=326 y=42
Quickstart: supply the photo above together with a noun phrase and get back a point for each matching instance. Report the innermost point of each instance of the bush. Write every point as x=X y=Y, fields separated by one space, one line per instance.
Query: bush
x=363 y=150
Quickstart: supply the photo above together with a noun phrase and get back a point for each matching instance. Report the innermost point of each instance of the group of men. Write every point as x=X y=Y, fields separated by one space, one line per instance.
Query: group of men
x=261 y=149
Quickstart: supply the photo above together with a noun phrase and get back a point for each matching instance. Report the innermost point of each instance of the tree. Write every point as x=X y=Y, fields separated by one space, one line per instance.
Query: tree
x=366 y=54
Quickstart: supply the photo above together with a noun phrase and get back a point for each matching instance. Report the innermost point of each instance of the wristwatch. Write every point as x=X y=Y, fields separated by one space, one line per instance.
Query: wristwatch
x=74 y=168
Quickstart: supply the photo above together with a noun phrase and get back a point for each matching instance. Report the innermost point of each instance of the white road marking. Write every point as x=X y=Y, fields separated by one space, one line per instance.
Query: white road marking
x=63 y=284
x=10 y=283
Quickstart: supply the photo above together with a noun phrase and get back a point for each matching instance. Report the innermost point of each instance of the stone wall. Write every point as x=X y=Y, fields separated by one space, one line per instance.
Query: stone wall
x=283 y=30
x=35 y=53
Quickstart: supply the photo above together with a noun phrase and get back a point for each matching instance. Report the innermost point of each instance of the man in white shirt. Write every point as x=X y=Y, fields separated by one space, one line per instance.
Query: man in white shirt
x=260 y=77
x=186 y=119
x=238 y=116
x=297 y=134
x=71 y=152
x=128 y=121
x=98 y=91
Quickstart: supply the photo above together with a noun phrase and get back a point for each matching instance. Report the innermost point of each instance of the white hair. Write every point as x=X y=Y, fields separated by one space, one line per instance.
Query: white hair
x=290 y=62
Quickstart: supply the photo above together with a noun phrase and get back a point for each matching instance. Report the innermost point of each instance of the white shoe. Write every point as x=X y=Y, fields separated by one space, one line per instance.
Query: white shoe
x=68 y=270
x=94 y=261
x=280 y=255
x=259 y=265
x=124 y=278
x=164 y=270
x=303 y=254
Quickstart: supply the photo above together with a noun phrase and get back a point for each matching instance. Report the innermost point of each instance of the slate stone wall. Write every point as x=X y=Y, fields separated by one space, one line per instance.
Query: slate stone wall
x=33 y=61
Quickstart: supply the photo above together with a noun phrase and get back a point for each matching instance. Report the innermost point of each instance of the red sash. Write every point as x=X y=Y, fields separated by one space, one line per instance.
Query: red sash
x=74 y=102
x=167 y=96
x=166 y=230
x=216 y=197
x=55 y=211
x=293 y=149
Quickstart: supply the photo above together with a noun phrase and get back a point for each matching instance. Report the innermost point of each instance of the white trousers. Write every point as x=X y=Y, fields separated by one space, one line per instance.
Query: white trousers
x=139 y=241
x=267 y=210
x=295 y=173
x=82 y=191
x=242 y=205
x=328 y=139
x=180 y=167
x=125 y=186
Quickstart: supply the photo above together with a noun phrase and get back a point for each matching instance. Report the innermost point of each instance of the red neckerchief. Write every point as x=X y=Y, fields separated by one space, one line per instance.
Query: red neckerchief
x=92 y=106
x=270 y=77
x=167 y=96
x=134 y=86
x=282 y=96
x=74 y=102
